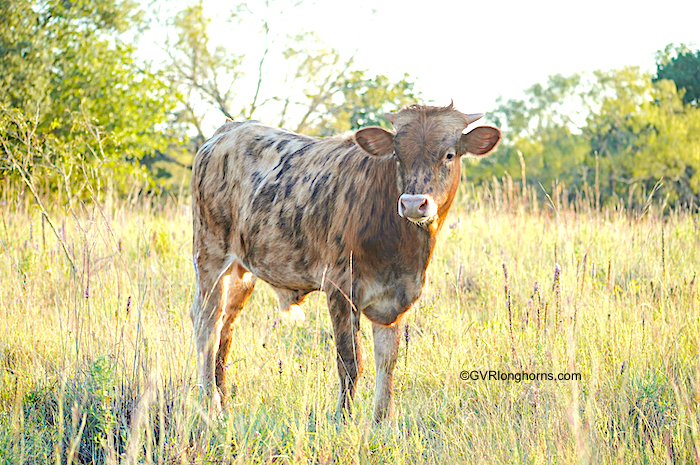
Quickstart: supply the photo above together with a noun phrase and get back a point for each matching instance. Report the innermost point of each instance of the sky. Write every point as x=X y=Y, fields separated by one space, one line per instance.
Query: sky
x=473 y=51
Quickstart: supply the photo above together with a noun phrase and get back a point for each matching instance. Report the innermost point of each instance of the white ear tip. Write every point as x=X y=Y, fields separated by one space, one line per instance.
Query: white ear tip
x=474 y=117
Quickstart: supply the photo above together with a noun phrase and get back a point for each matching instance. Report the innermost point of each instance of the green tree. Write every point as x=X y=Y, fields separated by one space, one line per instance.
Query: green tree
x=681 y=65
x=644 y=133
x=614 y=128
x=362 y=101
x=667 y=144
x=67 y=74
x=543 y=131
x=617 y=129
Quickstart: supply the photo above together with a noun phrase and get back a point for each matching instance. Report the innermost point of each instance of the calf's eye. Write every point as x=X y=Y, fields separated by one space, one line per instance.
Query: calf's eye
x=449 y=156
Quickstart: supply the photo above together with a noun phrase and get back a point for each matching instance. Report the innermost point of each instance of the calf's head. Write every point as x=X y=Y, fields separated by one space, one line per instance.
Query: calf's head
x=428 y=145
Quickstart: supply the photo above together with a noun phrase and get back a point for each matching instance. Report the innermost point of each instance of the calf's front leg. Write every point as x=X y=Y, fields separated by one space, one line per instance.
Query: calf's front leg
x=386 y=351
x=346 y=330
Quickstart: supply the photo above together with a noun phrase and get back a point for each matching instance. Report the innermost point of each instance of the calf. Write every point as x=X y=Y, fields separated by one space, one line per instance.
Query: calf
x=355 y=216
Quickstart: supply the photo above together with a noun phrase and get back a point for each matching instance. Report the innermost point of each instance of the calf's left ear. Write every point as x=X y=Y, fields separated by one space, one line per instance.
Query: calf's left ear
x=479 y=141
x=375 y=141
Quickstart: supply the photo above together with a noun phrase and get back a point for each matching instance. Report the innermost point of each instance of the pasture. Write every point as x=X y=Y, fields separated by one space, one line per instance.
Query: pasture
x=97 y=361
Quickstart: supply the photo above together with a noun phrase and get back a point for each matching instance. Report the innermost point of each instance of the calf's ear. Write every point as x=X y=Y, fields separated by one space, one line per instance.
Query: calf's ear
x=375 y=141
x=479 y=141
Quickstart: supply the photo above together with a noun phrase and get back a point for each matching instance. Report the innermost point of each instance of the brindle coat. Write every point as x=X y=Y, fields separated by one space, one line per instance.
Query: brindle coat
x=304 y=214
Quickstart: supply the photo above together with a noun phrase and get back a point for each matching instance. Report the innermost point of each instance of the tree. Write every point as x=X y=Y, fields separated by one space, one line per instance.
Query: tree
x=617 y=128
x=681 y=65
x=544 y=131
x=316 y=93
x=66 y=73
x=200 y=72
x=614 y=127
x=644 y=134
x=667 y=144
x=362 y=101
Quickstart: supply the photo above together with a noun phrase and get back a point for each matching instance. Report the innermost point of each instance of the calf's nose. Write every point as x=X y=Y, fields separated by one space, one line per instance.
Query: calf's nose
x=416 y=207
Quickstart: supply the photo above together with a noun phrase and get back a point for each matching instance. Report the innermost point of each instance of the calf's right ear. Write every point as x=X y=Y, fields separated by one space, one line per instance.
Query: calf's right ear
x=375 y=141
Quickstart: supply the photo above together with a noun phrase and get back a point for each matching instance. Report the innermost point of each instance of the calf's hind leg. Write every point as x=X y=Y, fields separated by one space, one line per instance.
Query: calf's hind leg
x=222 y=290
x=237 y=288
x=207 y=309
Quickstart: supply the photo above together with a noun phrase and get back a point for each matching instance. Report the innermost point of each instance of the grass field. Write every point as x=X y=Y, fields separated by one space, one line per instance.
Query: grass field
x=97 y=361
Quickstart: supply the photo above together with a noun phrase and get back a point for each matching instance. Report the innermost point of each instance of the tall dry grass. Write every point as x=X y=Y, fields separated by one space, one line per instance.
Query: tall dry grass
x=97 y=362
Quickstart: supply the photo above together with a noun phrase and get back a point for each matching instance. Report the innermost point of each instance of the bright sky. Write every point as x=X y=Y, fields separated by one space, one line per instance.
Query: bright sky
x=474 y=51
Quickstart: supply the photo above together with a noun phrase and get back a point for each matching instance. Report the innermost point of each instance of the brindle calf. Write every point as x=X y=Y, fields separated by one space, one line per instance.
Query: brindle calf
x=355 y=216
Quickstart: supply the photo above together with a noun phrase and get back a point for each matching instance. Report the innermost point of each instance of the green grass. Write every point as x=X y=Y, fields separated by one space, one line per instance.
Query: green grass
x=97 y=363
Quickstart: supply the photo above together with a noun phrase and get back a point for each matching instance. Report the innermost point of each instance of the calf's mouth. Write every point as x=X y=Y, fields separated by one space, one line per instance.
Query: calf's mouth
x=417 y=208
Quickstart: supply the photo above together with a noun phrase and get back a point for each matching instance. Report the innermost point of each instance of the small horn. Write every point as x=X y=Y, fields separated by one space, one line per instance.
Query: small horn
x=474 y=117
x=390 y=117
